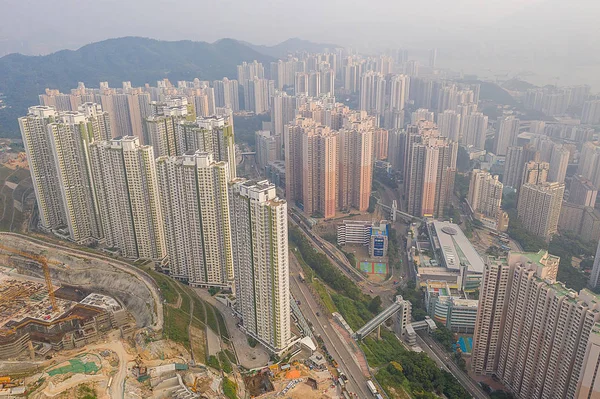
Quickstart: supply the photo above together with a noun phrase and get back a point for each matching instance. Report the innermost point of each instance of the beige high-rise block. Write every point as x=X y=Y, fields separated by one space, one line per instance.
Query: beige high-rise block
x=195 y=208
x=532 y=332
x=128 y=196
x=539 y=208
x=260 y=248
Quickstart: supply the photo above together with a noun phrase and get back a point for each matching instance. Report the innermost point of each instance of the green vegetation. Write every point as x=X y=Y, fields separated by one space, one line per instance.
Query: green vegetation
x=356 y=313
x=213 y=362
x=385 y=179
x=509 y=200
x=463 y=161
x=230 y=388
x=252 y=342
x=567 y=246
x=230 y=355
x=247 y=126
x=86 y=392
x=445 y=337
x=393 y=249
x=452 y=213
x=222 y=325
x=324 y=295
x=415 y=373
x=176 y=326
x=211 y=319
x=415 y=297
x=323 y=267
x=225 y=362
x=461 y=185
x=528 y=241
x=372 y=204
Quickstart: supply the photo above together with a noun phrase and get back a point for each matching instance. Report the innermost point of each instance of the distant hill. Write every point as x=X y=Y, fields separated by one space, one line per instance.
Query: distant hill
x=135 y=59
x=290 y=46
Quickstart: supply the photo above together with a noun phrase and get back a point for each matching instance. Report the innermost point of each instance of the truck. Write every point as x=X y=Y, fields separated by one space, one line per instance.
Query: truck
x=371 y=387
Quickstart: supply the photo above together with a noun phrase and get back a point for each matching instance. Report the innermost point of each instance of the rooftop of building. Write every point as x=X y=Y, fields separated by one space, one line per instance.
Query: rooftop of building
x=456 y=248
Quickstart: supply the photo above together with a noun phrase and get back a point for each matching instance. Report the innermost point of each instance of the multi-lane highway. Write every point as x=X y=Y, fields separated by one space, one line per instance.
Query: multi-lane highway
x=357 y=382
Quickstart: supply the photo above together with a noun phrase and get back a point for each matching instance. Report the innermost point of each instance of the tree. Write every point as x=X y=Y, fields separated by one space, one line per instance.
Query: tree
x=375 y=304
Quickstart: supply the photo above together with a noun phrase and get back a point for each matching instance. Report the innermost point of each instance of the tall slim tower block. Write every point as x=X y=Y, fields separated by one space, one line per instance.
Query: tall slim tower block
x=260 y=247
x=127 y=189
x=195 y=208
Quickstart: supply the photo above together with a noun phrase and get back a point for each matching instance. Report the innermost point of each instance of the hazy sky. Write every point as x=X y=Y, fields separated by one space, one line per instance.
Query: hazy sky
x=55 y=24
x=550 y=37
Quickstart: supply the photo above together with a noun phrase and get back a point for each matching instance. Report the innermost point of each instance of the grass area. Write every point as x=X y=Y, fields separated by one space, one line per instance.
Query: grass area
x=198 y=341
x=225 y=362
x=230 y=388
x=324 y=295
x=176 y=326
x=166 y=285
x=230 y=355
x=222 y=325
x=211 y=320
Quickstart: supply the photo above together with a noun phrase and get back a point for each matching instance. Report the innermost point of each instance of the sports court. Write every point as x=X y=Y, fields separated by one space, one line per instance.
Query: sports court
x=374 y=267
x=466 y=344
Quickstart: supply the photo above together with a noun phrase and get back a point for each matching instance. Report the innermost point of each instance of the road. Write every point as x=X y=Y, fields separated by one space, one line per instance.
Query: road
x=440 y=356
x=343 y=265
x=357 y=382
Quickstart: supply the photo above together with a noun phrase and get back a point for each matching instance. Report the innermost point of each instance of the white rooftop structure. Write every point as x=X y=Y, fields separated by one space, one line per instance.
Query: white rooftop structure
x=456 y=248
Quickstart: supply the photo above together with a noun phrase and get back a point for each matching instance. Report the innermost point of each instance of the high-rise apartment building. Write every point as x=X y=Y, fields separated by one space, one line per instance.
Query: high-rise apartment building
x=535 y=172
x=539 y=207
x=124 y=174
x=589 y=162
x=591 y=112
x=534 y=334
x=506 y=134
x=514 y=165
x=422 y=114
x=399 y=86
x=372 y=93
x=595 y=275
x=430 y=166
x=268 y=148
x=582 y=192
x=283 y=111
x=227 y=94
x=449 y=124
x=257 y=94
x=56 y=145
x=211 y=134
x=559 y=161
x=195 y=209
x=485 y=196
x=163 y=135
x=260 y=247
x=475 y=129
x=355 y=167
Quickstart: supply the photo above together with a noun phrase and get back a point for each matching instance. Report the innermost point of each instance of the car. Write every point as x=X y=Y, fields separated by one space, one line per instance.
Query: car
x=318 y=314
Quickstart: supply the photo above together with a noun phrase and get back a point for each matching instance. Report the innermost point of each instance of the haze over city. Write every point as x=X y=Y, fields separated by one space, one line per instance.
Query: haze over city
x=537 y=39
x=316 y=200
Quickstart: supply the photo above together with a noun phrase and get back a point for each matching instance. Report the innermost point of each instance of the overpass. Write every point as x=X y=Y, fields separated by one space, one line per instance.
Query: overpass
x=402 y=214
x=399 y=305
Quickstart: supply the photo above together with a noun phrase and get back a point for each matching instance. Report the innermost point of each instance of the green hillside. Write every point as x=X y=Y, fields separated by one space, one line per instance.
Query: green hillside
x=134 y=59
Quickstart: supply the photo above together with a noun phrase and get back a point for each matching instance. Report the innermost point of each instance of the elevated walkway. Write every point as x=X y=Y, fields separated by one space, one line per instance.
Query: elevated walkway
x=375 y=322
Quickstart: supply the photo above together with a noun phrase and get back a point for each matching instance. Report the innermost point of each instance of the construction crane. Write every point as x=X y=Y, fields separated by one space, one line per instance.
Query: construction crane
x=43 y=261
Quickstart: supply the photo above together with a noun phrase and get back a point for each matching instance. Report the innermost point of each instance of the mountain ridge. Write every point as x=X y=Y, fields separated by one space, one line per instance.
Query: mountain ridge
x=130 y=58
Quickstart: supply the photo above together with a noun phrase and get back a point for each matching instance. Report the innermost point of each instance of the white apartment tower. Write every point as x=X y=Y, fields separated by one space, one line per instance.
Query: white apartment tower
x=56 y=145
x=126 y=186
x=213 y=134
x=260 y=247
x=195 y=209
x=42 y=165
